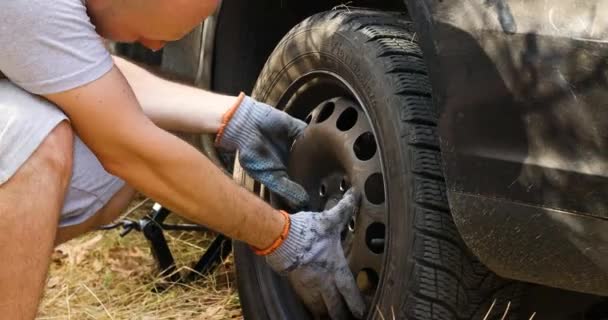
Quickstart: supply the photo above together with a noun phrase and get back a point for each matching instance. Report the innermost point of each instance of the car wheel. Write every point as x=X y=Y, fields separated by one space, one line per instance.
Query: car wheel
x=358 y=78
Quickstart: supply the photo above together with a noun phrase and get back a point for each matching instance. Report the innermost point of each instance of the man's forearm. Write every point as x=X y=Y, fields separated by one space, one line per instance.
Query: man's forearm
x=107 y=117
x=199 y=191
x=174 y=106
x=177 y=107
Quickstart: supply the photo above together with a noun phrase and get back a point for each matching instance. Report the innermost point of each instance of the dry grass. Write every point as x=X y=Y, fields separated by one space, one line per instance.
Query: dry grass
x=104 y=276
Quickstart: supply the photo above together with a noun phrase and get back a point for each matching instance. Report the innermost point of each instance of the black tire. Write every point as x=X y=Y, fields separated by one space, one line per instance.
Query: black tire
x=428 y=271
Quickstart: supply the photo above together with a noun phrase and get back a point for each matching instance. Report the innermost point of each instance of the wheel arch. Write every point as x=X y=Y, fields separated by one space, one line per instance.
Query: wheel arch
x=247 y=32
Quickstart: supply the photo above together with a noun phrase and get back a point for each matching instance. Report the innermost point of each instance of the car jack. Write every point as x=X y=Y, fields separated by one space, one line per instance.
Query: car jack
x=153 y=226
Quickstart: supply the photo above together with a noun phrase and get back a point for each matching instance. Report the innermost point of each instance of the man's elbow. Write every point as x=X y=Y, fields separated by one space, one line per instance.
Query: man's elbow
x=129 y=155
x=115 y=155
x=114 y=162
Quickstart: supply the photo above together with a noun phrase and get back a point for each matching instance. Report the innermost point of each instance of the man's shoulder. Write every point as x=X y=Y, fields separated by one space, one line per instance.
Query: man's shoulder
x=36 y=9
x=49 y=46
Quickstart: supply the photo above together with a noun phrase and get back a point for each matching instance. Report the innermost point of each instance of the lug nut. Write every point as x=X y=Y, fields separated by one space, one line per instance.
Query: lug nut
x=322 y=190
x=344 y=185
x=352 y=224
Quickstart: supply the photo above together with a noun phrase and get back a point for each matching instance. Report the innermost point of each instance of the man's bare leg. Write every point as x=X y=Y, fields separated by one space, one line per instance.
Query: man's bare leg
x=110 y=212
x=30 y=203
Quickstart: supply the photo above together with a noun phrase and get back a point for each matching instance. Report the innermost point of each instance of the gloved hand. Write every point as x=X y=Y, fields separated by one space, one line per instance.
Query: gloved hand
x=314 y=261
x=263 y=135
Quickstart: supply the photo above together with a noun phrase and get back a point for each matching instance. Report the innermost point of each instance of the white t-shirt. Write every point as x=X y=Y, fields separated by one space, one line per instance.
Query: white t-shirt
x=46 y=46
x=49 y=46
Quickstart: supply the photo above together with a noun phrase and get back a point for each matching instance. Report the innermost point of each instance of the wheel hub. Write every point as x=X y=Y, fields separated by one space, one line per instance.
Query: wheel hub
x=338 y=151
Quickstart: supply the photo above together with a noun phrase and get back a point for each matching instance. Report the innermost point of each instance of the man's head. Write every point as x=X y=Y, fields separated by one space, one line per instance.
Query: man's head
x=149 y=22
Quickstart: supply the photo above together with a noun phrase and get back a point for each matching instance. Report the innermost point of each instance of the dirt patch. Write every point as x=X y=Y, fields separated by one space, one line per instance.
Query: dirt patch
x=105 y=276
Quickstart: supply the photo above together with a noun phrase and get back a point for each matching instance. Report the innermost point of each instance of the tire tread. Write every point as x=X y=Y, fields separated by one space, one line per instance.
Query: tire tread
x=448 y=282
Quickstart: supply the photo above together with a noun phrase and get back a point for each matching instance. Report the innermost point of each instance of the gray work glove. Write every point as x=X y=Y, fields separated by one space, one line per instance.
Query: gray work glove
x=314 y=261
x=263 y=136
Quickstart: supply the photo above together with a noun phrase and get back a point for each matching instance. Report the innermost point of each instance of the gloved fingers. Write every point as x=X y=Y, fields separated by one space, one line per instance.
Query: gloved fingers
x=340 y=214
x=293 y=193
x=294 y=126
x=278 y=183
x=313 y=302
x=334 y=303
x=315 y=305
x=345 y=281
x=296 y=129
x=309 y=294
x=262 y=168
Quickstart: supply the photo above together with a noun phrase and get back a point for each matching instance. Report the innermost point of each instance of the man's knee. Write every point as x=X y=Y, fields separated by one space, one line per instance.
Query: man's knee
x=56 y=152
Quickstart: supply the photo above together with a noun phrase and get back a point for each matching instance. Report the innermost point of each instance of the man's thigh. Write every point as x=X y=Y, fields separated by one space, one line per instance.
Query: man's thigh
x=91 y=187
x=30 y=205
x=25 y=121
x=94 y=196
x=43 y=177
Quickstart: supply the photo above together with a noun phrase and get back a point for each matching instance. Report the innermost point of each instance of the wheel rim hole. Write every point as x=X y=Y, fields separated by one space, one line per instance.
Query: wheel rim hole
x=323 y=190
x=367 y=281
x=308 y=119
x=365 y=146
x=374 y=189
x=347 y=119
x=375 y=236
x=326 y=112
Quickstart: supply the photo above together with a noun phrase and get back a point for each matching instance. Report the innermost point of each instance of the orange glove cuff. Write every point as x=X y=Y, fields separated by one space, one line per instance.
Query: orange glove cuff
x=279 y=241
x=228 y=116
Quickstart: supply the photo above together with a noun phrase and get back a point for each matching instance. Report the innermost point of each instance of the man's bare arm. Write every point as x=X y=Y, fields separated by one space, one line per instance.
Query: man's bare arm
x=174 y=106
x=108 y=118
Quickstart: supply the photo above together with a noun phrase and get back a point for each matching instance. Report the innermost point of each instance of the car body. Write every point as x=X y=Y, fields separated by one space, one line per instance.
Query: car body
x=521 y=90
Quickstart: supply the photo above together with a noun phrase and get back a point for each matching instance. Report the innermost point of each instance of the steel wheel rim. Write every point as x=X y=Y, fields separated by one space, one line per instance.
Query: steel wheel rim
x=304 y=99
x=338 y=151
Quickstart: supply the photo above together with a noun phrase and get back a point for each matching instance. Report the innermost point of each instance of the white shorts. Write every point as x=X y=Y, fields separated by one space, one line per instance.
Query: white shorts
x=25 y=120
